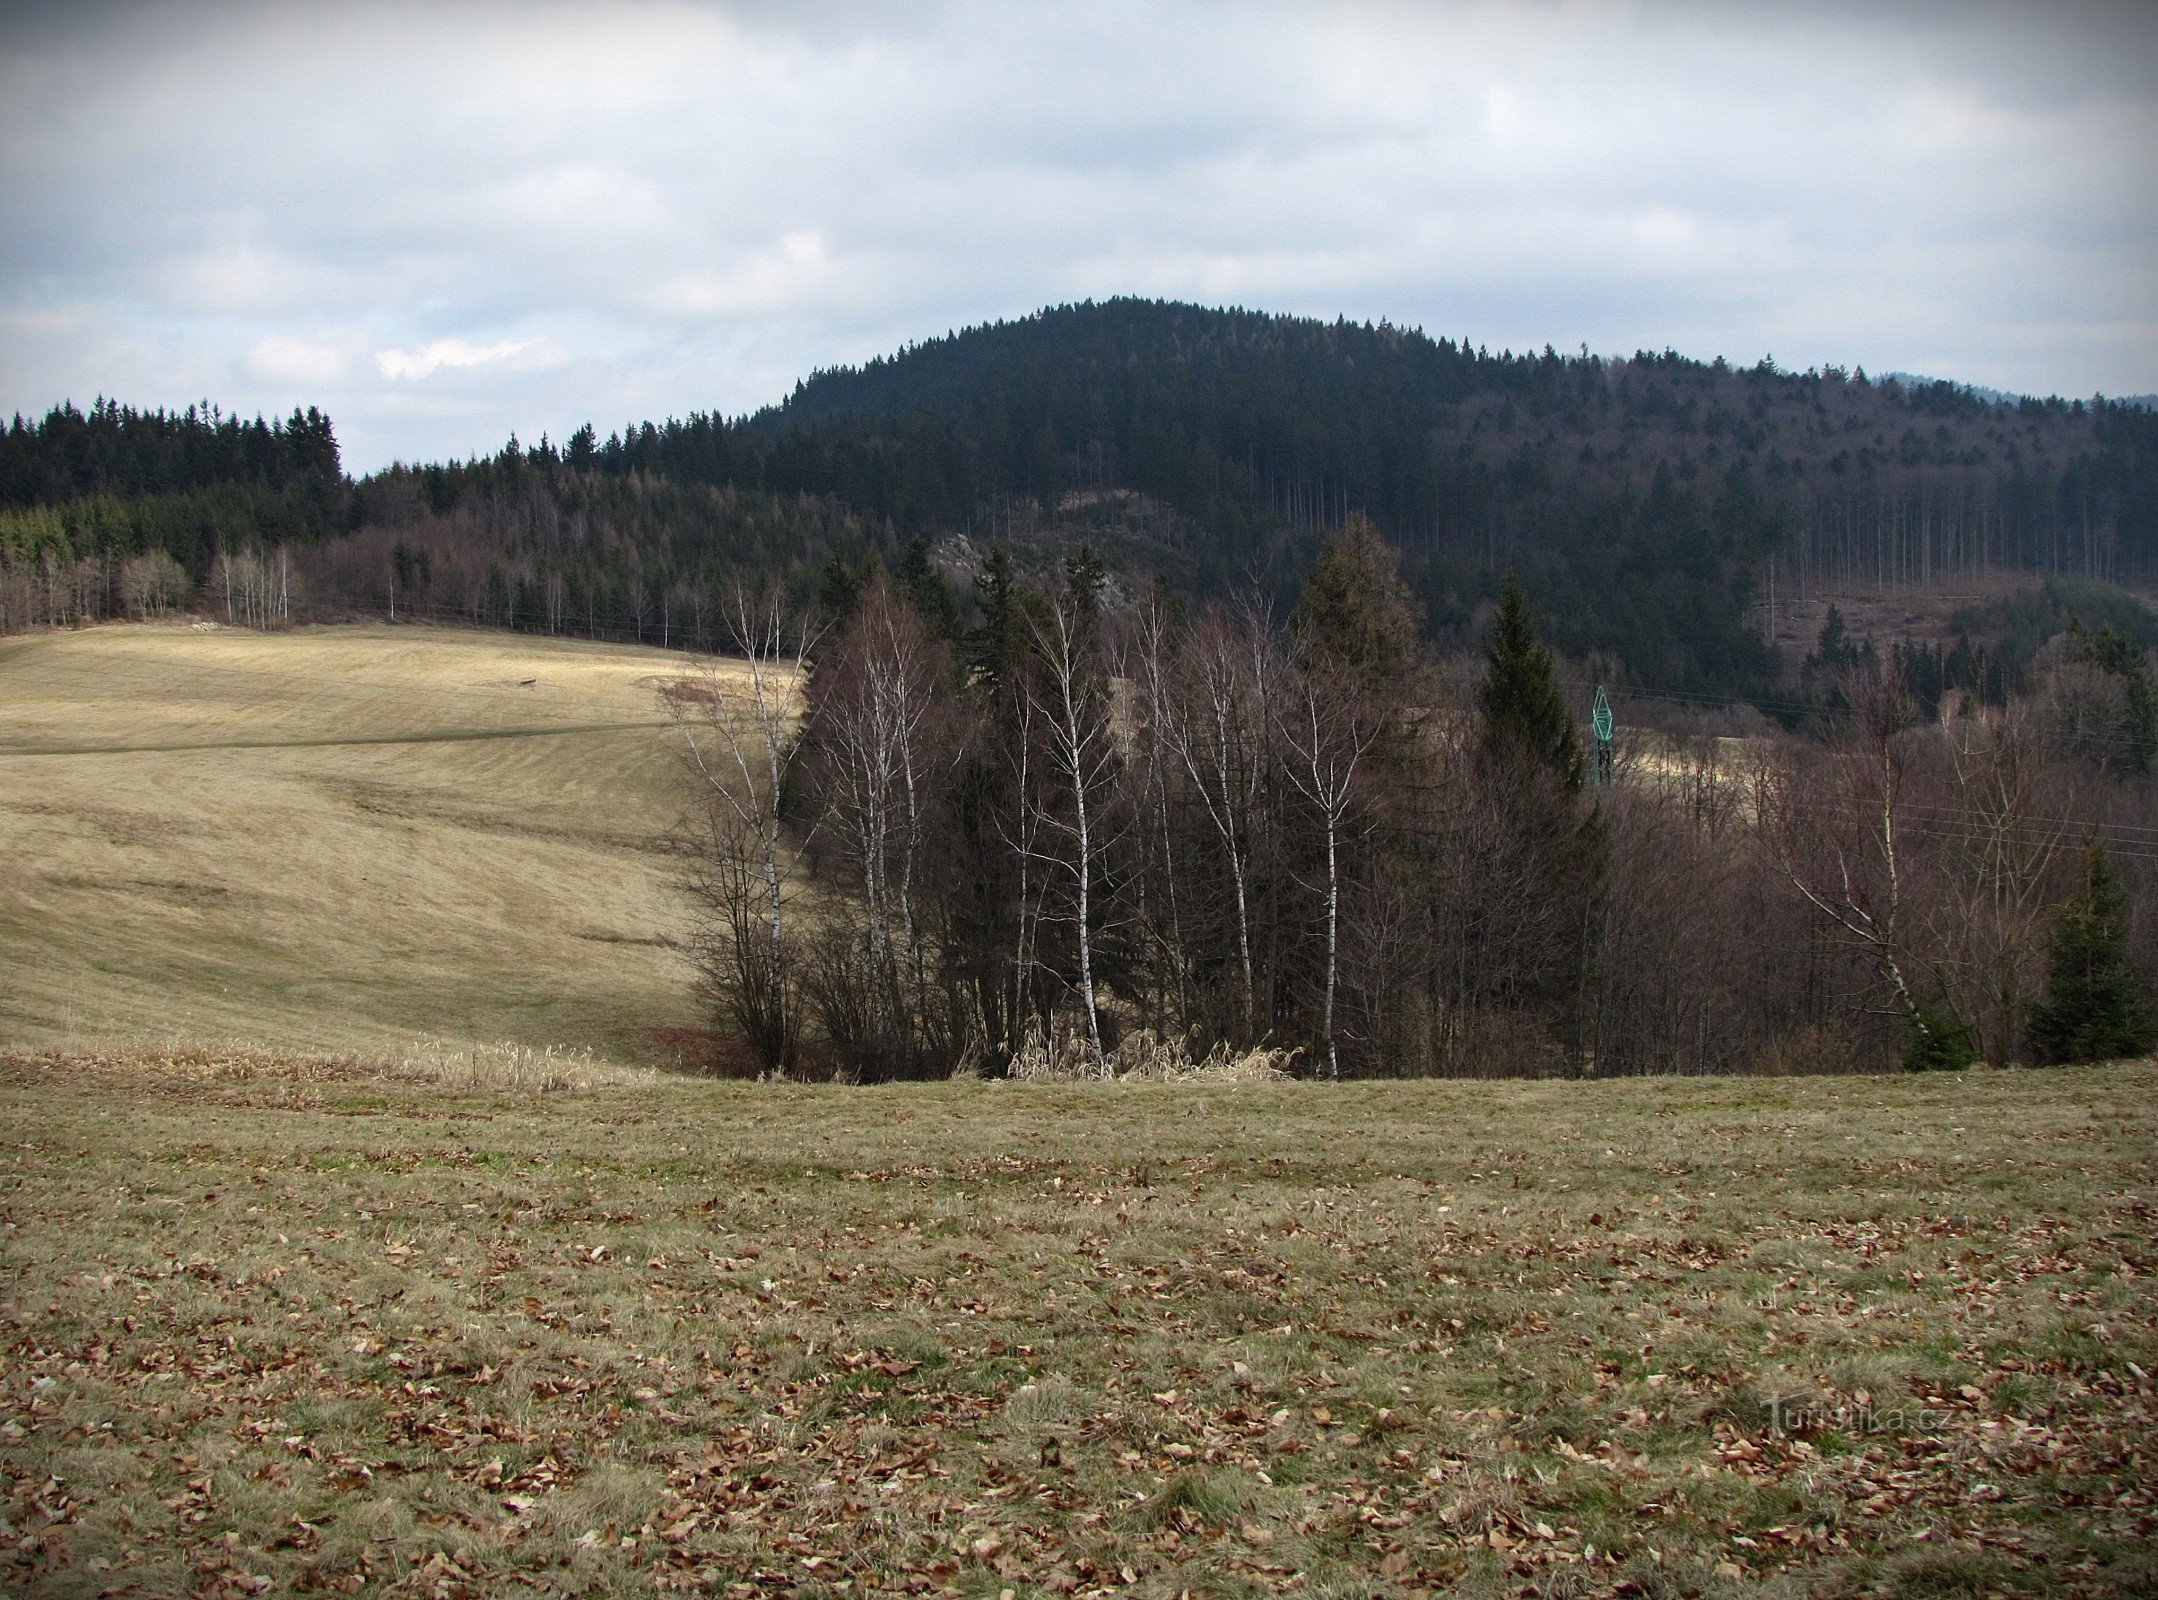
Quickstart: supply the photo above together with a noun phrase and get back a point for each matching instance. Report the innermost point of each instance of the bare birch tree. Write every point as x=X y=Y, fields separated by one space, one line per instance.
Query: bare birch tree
x=739 y=723
x=878 y=763
x=1841 y=834
x=1218 y=733
x=1072 y=830
x=1150 y=666
x=1327 y=735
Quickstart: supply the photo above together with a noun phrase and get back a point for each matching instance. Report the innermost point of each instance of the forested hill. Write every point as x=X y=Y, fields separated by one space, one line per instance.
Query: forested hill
x=115 y=481
x=1649 y=502
x=115 y=449
x=1239 y=419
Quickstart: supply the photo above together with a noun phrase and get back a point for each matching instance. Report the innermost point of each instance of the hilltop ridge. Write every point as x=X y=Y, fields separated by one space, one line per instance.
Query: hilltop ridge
x=1654 y=504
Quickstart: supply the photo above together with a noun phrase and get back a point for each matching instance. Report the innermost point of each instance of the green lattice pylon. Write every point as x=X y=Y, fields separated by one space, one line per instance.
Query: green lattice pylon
x=1600 y=720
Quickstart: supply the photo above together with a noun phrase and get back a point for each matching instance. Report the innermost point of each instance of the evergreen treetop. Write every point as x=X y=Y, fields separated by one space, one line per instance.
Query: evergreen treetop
x=918 y=579
x=1000 y=637
x=1355 y=612
x=1524 y=712
x=2094 y=1007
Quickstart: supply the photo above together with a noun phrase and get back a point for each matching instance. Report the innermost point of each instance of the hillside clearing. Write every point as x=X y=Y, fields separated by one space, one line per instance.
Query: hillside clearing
x=347 y=838
x=288 y=1324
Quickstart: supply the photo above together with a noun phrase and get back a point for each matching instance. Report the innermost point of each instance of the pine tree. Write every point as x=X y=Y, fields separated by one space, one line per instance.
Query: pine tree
x=839 y=588
x=1087 y=575
x=2094 y=1007
x=1524 y=712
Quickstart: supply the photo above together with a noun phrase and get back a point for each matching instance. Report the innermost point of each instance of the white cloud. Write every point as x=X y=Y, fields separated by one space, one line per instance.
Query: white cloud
x=425 y=360
x=789 y=273
x=635 y=209
x=286 y=358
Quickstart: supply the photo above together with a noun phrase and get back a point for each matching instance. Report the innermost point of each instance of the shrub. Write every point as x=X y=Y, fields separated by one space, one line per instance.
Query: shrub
x=1938 y=1041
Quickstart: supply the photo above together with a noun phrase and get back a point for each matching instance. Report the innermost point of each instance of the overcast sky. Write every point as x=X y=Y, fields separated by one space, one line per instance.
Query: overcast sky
x=446 y=222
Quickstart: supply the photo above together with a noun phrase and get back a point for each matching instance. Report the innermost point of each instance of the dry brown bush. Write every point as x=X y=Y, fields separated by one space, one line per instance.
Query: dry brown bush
x=1143 y=1057
x=1819 y=1048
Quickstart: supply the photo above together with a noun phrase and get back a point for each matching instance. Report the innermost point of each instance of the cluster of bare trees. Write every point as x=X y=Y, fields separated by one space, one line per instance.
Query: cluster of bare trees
x=50 y=592
x=1233 y=830
x=257 y=588
x=249 y=587
x=1939 y=856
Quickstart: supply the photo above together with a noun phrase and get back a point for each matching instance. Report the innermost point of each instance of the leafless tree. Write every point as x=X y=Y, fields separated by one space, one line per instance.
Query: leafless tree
x=16 y=590
x=249 y=585
x=1021 y=828
x=1838 y=823
x=881 y=752
x=1070 y=828
x=739 y=727
x=52 y=588
x=151 y=584
x=86 y=587
x=2000 y=828
x=1149 y=666
x=1326 y=733
x=1217 y=728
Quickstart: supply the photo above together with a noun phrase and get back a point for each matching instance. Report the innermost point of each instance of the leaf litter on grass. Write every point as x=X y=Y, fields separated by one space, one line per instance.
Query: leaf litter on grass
x=451 y=1335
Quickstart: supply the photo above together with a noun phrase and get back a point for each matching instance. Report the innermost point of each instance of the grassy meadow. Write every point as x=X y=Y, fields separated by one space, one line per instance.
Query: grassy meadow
x=352 y=1243
x=335 y=839
x=281 y=1325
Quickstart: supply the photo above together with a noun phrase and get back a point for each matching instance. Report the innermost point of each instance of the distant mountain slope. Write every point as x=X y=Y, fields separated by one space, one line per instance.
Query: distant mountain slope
x=1232 y=414
x=1651 y=503
x=1648 y=500
x=1977 y=391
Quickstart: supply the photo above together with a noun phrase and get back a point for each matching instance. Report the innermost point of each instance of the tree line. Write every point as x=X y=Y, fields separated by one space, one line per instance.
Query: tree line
x=1064 y=833
x=1662 y=507
x=121 y=451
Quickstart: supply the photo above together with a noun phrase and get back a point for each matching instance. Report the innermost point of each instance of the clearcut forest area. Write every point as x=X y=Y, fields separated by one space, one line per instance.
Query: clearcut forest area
x=289 y=1325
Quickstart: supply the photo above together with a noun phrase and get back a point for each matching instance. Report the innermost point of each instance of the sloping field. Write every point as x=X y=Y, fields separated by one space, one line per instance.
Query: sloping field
x=336 y=838
x=271 y=1327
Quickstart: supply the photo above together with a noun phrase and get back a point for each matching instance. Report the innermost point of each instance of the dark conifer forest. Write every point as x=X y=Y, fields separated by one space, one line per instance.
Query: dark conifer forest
x=1655 y=506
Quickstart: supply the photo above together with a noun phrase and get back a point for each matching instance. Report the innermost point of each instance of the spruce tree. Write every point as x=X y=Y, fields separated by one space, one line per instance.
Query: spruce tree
x=999 y=639
x=1087 y=575
x=2094 y=1007
x=925 y=589
x=1355 y=612
x=839 y=588
x=1524 y=712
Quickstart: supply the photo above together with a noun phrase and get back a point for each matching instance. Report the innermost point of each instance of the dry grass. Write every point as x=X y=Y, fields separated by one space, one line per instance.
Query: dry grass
x=1901 y=611
x=1140 y=1057
x=290 y=1325
x=269 y=879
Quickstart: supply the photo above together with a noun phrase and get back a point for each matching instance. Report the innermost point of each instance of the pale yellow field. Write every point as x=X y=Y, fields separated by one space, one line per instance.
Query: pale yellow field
x=337 y=838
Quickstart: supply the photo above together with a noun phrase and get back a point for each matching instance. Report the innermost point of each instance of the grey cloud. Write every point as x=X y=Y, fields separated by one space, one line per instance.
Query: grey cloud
x=445 y=223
